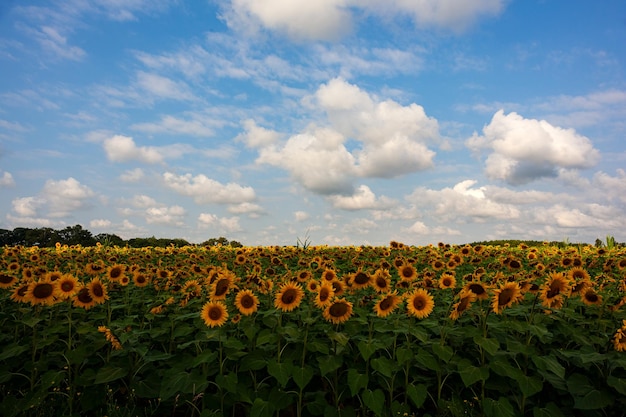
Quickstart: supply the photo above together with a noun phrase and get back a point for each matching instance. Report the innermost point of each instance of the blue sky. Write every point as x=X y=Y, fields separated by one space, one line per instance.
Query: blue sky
x=350 y=122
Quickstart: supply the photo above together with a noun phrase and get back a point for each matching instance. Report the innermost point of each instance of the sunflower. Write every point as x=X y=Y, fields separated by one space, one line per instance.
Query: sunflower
x=381 y=281
x=214 y=314
x=447 y=280
x=40 y=292
x=52 y=276
x=246 y=302
x=387 y=304
x=420 y=303
x=621 y=264
x=97 y=291
x=407 y=272
x=221 y=287
x=116 y=272
x=312 y=285
x=324 y=295
x=590 y=297
x=360 y=279
x=578 y=274
x=19 y=293
x=83 y=299
x=505 y=296
x=338 y=311
x=94 y=268
x=338 y=287
x=437 y=264
x=7 y=281
x=478 y=288
x=108 y=335
x=140 y=279
x=304 y=276
x=619 y=340
x=288 y=297
x=66 y=287
x=464 y=303
x=554 y=289
x=329 y=275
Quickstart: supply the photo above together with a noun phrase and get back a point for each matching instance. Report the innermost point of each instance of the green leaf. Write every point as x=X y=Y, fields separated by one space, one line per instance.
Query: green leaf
x=549 y=363
x=356 y=381
x=366 y=348
x=12 y=350
x=593 y=400
x=490 y=345
x=209 y=357
x=329 y=363
x=261 y=408
x=302 y=376
x=427 y=360
x=253 y=361
x=280 y=370
x=385 y=366
x=404 y=355
x=173 y=383
x=109 y=373
x=339 y=337
x=417 y=394
x=266 y=337
x=500 y=408
x=444 y=352
x=551 y=410
x=530 y=385
x=374 y=400
x=618 y=383
x=471 y=374
x=228 y=382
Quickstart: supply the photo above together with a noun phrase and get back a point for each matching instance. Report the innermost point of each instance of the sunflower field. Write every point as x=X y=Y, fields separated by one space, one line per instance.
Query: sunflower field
x=445 y=330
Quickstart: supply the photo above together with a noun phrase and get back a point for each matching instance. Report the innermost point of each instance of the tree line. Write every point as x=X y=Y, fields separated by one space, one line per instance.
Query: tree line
x=77 y=235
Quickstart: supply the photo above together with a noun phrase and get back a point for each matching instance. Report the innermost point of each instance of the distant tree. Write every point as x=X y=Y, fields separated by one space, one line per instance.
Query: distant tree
x=108 y=239
x=76 y=235
x=221 y=241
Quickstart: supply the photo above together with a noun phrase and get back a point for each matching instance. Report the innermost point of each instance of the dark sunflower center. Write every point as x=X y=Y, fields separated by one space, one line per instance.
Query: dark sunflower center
x=115 y=273
x=407 y=272
x=338 y=309
x=221 y=287
x=289 y=296
x=463 y=304
x=515 y=264
x=5 y=279
x=386 y=303
x=67 y=286
x=419 y=303
x=324 y=294
x=477 y=289
x=592 y=297
x=381 y=282
x=97 y=290
x=43 y=290
x=361 y=278
x=215 y=313
x=505 y=297
x=247 y=301
x=84 y=297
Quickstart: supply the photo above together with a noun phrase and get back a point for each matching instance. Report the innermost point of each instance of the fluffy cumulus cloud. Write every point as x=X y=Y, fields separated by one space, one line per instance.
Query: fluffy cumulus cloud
x=121 y=148
x=6 y=180
x=462 y=202
x=329 y=19
x=170 y=216
x=522 y=150
x=222 y=224
x=205 y=190
x=362 y=198
x=386 y=140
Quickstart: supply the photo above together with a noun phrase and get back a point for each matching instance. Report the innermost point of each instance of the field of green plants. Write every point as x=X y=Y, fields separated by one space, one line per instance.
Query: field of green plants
x=446 y=330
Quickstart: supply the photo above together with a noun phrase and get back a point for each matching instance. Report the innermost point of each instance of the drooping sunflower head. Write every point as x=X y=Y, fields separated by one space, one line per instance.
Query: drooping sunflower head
x=556 y=286
x=289 y=296
x=360 y=279
x=220 y=287
x=465 y=301
x=420 y=303
x=214 y=314
x=590 y=297
x=246 y=302
x=478 y=288
x=97 y=291
x=338 y=311
x=386 y=304
x=505 y=296
x=7 y=281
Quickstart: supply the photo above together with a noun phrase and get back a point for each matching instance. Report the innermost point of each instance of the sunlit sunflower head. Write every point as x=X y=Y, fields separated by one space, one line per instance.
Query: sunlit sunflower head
x=141 y=279
x=578 y=274
x=329 y=275
x=407 y=272
x=619 y=340
x=304 y=275
x=466 y=298
x=447 y=280
x=324 y=295
x=360 y=279
x=339 y=287
x=556 y=286
x=220 y=287
x=338 y=311
x=246 y=302
x=621 y=264
x=590 y=297
x=52 y=275
x=313 y=286
x=66 y=287
x=28 y=274
x=420 y=303
x=19 y=293
x=214 y=314
x=115 y=272
x=97 y=290
x=505 y=296
x=95 y=268
x=381 y=281
x=437 y=264
x=40 y=292
x=478 y=288
x=83 y=299
x=7 y=281
x=387 y=303
x=289 y=296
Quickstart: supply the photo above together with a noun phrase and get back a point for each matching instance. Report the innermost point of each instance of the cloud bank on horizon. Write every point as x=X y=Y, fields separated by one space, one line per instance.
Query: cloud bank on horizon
x=355 y=122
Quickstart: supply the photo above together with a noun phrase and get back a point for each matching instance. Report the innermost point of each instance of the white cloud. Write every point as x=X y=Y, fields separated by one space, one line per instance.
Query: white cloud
x=100 y=224
x=523 y=150
x=143 y=201
x=256 y=136
x=362 y=198
x=301 y=216
x=27 y=206
x=123 y=148
x=6 y=180
x=163 y=87
x=198 y=126
x=132 y=175
x=223 y=224
x=64 y=196
x=205 y=190
x=611 y=187
x=54 y=43
x=251 y=209
x=171 y=216
x=329 y=19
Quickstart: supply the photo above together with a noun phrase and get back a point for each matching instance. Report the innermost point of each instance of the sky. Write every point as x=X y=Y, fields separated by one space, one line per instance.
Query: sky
x=335 y=122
